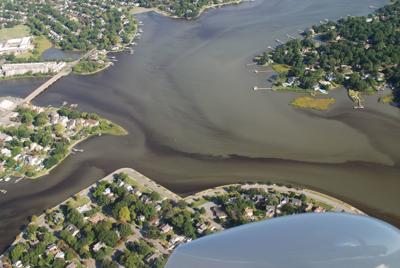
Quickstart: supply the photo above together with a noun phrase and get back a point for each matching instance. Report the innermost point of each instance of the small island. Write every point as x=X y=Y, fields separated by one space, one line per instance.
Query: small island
x=33 y=139
x=126 y=219
x=361 y=54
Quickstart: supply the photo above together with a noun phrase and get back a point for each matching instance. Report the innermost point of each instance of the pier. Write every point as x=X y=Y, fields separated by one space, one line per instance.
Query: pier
x=65 y=71
x=261 y=88
x=291 y=36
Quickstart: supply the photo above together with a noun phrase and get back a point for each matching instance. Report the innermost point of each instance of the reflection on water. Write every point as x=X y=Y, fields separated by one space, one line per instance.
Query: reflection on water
x=186 y=99
x=58 y=54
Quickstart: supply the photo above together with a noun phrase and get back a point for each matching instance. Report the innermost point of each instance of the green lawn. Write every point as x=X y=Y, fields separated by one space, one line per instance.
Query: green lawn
x=281 y=68
x=79 y=201
x=200 y=202
x=14 y=32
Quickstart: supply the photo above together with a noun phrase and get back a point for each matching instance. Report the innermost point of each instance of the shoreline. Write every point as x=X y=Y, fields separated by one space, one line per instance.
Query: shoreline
x=141 y=10
x=72 y=145
x=108 y=64
x=110 y=129
x=143 y=181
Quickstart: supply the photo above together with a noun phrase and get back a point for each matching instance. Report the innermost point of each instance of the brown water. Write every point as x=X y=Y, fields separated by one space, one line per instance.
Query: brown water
x=186 y=99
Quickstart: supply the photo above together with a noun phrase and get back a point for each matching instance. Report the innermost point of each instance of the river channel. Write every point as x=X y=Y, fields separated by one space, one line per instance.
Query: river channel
x=186 y=98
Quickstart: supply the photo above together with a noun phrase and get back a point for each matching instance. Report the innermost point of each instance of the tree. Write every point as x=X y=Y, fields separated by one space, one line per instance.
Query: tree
x=155 y=196
x=41 y=119
x=17 y=251
x=108 y=264
x=26 y=118
x=124 y=230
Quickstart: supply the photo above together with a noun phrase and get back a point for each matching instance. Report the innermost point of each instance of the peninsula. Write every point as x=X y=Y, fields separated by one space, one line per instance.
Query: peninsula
x=34 y=139
x=361 y=54
x=127 y=219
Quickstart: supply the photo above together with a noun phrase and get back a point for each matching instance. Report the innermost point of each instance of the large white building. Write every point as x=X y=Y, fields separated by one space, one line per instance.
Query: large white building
x=34 y=67
x=16 y=45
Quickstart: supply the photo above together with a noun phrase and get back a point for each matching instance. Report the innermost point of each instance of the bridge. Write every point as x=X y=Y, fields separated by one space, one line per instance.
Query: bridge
x=65 y=71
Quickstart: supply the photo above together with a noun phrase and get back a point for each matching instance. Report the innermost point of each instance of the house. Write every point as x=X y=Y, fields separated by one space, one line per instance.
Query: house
x=319 y=209
x=98 y=246
x=249 y=212
x=283 y=202
x=6 y=152
x=297 y=202
x=58 y=217
x=72 y=229
x=141 y=218
x=71 y=265
x=84 y=208
x=60 y=255
x=129 y=188
x=155 y=221
x=137 y=192
x=63 y=121
x=219 y=213
x=157 y=207
x=71 y=124
x=95 y=218
x=107 y=191
x=269 y=211
x=152 y=257
x=176 y=239
x=18 y=264
x=34 y=160
x=4 y=138
x=201 y=228
x=165 y=228
x=90 y=123
x=309 y=207
x=52 y=249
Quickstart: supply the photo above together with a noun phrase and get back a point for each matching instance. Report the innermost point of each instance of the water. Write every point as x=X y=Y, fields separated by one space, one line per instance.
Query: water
x=186 y=99
x=58 y=54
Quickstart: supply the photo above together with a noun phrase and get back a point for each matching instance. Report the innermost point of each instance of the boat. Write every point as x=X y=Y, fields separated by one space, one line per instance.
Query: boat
x=77 y=150
x=3 y=191
x=6 y=179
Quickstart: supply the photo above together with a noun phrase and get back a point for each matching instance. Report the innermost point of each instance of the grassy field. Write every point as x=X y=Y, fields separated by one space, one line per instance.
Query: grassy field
x=78 y=201
x=307 y=102
x=14 y=32
x=280 y=68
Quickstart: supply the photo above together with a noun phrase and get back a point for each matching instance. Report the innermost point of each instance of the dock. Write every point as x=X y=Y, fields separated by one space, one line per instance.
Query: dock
x=291 y=36
x=261 y=88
